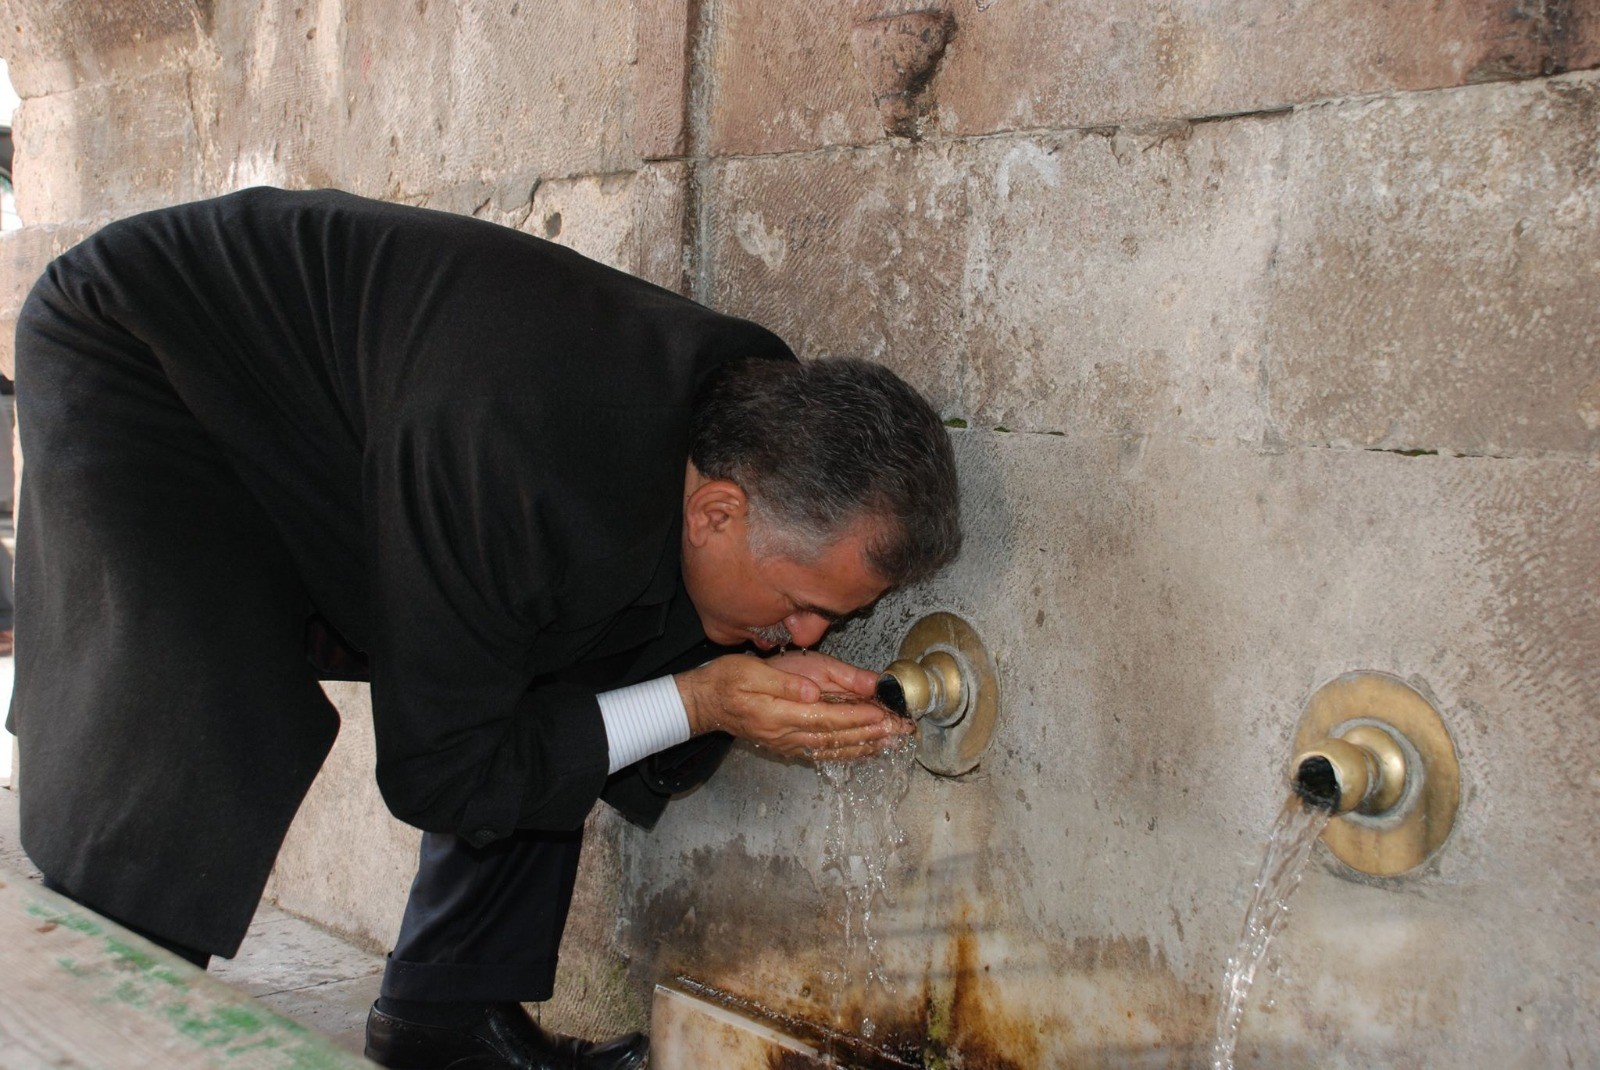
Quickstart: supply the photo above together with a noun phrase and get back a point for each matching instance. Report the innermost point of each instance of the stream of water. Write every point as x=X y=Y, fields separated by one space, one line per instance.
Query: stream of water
x=1288 y=849
x=858 y=847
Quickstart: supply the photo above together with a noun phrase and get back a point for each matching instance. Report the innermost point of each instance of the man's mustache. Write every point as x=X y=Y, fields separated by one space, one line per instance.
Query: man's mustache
x=775 y=634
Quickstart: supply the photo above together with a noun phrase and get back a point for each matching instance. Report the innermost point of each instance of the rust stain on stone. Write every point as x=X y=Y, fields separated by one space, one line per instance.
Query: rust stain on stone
x=968 y=1009
x=793 y=1060
x=972 y=1031
x=898 y=55
x=1524 y=39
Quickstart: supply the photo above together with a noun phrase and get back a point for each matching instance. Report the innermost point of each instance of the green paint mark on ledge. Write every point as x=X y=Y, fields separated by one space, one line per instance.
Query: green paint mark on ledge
x=106 y=967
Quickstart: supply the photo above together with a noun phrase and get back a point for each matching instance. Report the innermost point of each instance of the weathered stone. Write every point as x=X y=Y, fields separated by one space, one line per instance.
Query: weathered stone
x=782 y=77
x=108 y=150
x=595 y=216
x=24 y=254
x=1435 y=283
x=434 y=93
x=661 y=196
x=269 y=106
x=897 y=54
x=1160 y=612
x=314 y=877
x=52 y=46
x=1080 y=63
x=848 y=254
x=785 y=81
x=1117 y=282
x=661 y=78
x=1028 y=283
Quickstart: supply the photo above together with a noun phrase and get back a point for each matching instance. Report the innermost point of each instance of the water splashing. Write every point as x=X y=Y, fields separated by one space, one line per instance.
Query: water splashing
x=1288 y=850
x=859 y=845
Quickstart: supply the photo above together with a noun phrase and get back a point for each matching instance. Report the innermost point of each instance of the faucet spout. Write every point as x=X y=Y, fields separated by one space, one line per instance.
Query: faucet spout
x=931 y=688
x=945 y=680
x=1373 y=749
x=1363 y=770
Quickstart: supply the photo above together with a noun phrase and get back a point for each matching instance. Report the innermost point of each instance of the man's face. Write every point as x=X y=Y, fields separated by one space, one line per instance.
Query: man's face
x=768 y=600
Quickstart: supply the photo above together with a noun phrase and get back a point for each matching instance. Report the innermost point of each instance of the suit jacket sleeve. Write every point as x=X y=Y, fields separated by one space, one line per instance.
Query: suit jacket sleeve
x=492 y=546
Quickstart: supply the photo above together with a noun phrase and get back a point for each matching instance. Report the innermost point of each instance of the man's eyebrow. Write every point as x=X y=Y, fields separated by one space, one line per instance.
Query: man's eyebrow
x=829 y=615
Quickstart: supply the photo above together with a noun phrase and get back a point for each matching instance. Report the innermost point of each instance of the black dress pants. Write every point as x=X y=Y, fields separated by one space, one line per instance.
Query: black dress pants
x=484 y=924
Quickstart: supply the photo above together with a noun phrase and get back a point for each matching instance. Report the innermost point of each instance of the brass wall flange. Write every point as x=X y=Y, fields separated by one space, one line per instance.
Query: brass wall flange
x=947 y=681
x=1399 y=777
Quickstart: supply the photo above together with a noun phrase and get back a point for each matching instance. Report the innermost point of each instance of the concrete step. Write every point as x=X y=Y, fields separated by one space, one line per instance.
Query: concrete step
x=303 y=972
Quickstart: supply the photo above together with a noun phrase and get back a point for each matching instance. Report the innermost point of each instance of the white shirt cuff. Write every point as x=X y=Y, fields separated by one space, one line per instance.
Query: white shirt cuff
x=642 y=719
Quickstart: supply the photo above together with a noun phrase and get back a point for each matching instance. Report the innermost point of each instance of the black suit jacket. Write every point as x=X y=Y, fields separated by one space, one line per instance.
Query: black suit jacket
x=472 y=443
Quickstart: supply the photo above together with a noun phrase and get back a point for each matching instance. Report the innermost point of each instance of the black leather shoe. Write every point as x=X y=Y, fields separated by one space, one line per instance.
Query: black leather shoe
x=505 y=1037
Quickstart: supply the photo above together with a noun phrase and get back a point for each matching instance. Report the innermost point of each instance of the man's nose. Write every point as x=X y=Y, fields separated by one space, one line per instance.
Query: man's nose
x=807 y=629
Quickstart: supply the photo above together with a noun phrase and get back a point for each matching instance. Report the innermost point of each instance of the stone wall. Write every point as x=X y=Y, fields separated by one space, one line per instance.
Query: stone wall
x=1268 y=336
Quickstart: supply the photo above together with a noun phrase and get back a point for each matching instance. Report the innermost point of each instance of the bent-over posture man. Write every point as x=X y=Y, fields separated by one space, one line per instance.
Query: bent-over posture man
x=539 y=503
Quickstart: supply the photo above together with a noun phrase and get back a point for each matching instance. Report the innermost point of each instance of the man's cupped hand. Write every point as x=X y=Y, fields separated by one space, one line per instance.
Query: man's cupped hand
x=778 y=703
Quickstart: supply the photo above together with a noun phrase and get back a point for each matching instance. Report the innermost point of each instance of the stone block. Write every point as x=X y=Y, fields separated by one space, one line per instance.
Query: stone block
x=52 y=46
x=595 y=216
x=784 y=77
x=661 y=78
x=1032 y=283
x=1115 y=282
x=1079 y=63
x=1160 y=611
x=632 y=222
x=438 y=94
x=1435 y=283
x=316 y=875
x=689 y=1033
x=267 y=95
x=105 y=151
x=662 y=200
x=848 y=254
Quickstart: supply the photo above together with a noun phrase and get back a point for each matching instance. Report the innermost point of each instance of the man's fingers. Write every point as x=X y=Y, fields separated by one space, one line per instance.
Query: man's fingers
x=845 y=754
x=830 y=672
x=760 y=701
x=834 y=716
x=853 y=737
x=872 y=737
x=767 y=679
x=854 y=680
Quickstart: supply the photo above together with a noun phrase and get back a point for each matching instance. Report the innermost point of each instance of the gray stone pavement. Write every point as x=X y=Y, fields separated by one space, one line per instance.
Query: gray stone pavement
x=291 y=965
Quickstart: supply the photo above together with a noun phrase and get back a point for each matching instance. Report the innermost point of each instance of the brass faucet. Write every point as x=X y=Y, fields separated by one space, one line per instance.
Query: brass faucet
x=945 y=680
x=1363 y=770
x=929 y=688
x=1374 y=751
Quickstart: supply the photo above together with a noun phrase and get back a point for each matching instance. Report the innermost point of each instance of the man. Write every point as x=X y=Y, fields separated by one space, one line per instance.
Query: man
x=539 y=502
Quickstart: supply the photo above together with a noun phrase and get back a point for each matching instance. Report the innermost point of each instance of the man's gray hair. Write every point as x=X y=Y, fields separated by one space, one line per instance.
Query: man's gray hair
x=821 y=446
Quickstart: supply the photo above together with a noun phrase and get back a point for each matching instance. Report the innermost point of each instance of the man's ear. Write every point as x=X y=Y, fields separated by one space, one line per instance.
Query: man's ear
x=715 y=507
